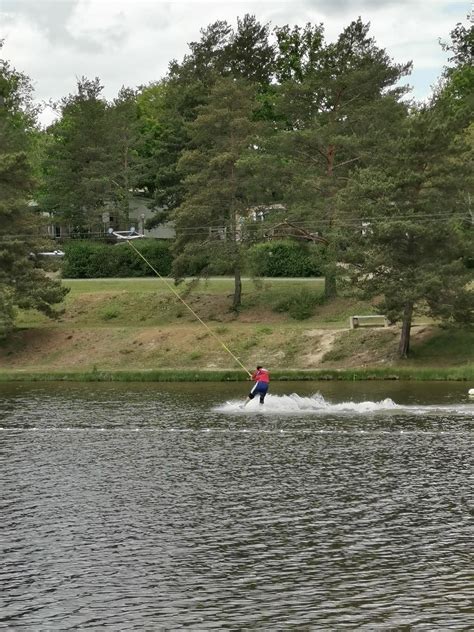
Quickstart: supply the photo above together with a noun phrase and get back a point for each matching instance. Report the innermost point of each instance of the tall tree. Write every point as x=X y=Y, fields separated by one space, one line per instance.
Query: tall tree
x=164 y=110
x=78 y=164
x=298 y=49
x=124 y=142
x=22 y=283
x=455 y=100
x=251 y=55
x=407 y=237
x=455 y=92
x=215 y=186
x=243 y=53
x=338 y=102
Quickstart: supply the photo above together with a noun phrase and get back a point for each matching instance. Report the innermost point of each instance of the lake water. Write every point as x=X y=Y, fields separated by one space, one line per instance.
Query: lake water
x=165 y=507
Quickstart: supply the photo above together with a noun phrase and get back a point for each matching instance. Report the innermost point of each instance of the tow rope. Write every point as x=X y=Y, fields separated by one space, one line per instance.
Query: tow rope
x=171 y=288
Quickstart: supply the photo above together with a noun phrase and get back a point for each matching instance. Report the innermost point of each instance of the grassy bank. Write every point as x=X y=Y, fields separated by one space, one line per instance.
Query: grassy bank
x=164 y=375
x=135 y=330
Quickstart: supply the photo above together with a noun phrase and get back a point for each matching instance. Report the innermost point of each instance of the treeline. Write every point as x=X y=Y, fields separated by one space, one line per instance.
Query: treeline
x=316 y=138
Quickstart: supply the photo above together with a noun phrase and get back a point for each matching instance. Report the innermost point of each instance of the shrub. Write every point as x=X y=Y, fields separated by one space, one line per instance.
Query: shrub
x=87 y=259
x=264 y=330
x=194 y=260
x=7 y=311
x=299 y=306
x=283 y=258
x=110 y=313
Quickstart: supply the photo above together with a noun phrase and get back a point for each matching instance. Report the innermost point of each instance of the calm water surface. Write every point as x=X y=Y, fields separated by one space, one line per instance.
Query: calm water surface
x=166 y=507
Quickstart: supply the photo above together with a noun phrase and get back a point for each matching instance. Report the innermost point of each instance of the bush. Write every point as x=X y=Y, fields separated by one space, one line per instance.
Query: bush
x=110 y=313
x=299 y=306
x=284 y=258
x=194 y=260
x=88 y=260
x=7 y=310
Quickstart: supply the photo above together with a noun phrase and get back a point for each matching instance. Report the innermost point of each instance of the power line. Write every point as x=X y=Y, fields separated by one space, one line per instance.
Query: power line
x=204 y=230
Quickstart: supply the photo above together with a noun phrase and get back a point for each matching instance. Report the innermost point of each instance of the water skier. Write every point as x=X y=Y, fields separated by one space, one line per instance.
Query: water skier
x=261 y=377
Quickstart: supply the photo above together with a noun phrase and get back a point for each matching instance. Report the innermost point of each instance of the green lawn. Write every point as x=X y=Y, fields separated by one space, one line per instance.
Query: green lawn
x=214 y=285
x=285 y=321
x=151 y=301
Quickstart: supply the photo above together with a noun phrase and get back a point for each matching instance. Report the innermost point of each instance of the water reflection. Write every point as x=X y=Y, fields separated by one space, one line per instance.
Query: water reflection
x=146 y=507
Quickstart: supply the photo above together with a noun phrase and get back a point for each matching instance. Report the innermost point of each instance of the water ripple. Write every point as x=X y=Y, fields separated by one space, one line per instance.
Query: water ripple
x=146 y=510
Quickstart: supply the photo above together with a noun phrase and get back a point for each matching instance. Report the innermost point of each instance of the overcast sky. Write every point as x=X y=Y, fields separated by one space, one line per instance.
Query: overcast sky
x=130 y=42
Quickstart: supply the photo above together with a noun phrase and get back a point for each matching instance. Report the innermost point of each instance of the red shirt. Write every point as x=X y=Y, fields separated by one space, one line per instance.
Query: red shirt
x=261 y=375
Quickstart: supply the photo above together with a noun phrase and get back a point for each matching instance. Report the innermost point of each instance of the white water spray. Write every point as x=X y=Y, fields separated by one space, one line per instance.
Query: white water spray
x=316 y=404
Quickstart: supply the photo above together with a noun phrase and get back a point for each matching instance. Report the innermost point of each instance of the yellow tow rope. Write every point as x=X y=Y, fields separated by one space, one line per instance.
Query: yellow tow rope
x=170 y=287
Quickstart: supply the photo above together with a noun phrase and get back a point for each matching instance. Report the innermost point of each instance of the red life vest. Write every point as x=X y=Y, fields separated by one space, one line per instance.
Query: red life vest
x=262 y=375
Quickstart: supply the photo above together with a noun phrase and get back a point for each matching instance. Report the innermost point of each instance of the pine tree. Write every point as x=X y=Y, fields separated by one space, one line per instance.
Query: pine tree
x=22 y=283
x=337 y=103
x=169 y=106
x=215 y=186
x=77 y=170
x=125 y=164
x=407 y=242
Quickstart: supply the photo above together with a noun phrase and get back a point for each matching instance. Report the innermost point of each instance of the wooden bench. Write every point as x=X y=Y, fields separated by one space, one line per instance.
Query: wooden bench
x=372 y=320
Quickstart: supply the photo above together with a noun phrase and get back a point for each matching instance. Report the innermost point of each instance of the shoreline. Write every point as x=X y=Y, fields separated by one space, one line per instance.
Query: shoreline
x=453 y=374
x=129 y=330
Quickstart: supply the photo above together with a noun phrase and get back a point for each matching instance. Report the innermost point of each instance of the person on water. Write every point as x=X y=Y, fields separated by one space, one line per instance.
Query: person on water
x=261 y=377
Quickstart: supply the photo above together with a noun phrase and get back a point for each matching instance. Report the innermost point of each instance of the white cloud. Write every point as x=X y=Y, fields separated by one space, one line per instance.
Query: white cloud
x=127 y=42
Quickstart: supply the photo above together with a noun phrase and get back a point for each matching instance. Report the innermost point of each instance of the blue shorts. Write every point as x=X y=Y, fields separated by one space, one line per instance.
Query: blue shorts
x=261 y=389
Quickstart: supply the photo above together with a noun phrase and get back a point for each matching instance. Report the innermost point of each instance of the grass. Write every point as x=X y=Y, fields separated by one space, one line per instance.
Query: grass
x=433 y=350
x=429 y=347
x=376 y=344
x=138 y=323
x=214 y=285
x=189 y=375
x=149 y=302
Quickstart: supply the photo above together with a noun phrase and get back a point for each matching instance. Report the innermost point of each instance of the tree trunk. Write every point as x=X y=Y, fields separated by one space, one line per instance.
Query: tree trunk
x=404 y=345
x=330 y=290
x=330 y=156
x=237 y=288
x=330 y=273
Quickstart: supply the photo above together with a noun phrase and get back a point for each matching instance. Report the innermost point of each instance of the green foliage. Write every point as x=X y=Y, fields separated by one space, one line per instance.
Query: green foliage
x=167 y=108
x=283 y=259
x=461 y=45
x=7 y=311
x=22 y=282
x=464 y=373
x=78 y=159
x=214 y=186
x=110 y=313
x=90 y=162
x=125 y=174
x=338 y=106
x=88 y=260
x=164 y=108
x=297 y=48
x=215 y=259
x=410 y=250
x=300 y=305
x=315 y=130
